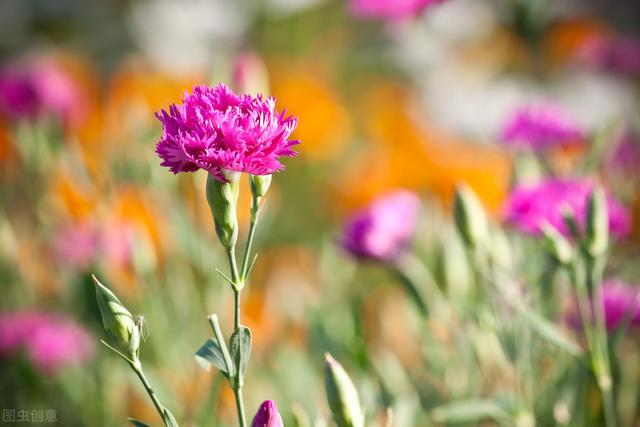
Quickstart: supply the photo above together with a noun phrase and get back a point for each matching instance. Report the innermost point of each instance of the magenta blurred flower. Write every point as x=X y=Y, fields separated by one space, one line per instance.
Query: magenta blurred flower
x=384 y=229
x=616 y=54
x=621 y=306
x=39 y=87
x=625 y=157
x=392 y=10
x=216 y=130
x=530 y=206
x=51 y=342
x=540 y=126
x=267 y=415
x=79 y=246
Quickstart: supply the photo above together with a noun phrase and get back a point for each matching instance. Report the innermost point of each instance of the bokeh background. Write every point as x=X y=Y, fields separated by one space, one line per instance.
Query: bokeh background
x=413 y=102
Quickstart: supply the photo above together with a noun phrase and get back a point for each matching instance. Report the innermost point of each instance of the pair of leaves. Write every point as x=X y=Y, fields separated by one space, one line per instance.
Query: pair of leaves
x=167 y=417
x=211 y=353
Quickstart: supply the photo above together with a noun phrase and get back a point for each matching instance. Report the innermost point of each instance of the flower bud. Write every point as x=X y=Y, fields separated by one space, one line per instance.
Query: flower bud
x=556 y=245
x=342 y=395
x=118 y=322
x=222 y=198
x=267 y=415
x=597 y=235
x=259 y=185
x=470 y=218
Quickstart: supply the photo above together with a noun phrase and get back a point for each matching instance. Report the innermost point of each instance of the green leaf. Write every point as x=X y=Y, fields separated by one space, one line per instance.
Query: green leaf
x=550 y=332
x=169 y=419
x=240 y=348
x=211 y=353
x=137 y=423
x=469 y=411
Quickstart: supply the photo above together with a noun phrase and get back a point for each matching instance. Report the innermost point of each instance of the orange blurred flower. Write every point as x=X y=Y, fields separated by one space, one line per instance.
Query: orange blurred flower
x=403 y=154
x=325 y=126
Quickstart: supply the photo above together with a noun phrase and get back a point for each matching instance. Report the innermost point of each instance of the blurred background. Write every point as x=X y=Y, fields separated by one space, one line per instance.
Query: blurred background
x=385 y=101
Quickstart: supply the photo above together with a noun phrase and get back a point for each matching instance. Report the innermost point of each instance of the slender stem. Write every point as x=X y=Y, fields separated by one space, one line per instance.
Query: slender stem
x=137 y=368
x=255 y=209
x=233 y=266
x=594 y=278
x=596 y=337
x=237 y=281
x=236 y=299
x=240 y=406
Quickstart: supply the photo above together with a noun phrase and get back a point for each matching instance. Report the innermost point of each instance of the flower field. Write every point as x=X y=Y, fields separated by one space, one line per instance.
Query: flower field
x=317 y=213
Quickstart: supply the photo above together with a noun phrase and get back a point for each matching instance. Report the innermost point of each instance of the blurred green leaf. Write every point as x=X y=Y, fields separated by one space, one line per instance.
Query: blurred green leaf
x=168 y=418
x=137 y=423
x=550 y=332
x=468 y=411
x=211 y=353
x=240 y=348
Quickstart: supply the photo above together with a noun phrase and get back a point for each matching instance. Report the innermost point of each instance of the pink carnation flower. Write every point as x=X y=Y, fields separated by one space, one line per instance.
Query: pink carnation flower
x=384 y=229
x=267 y=415
x=216 y=130
x=620 y=303
x=389 y=9
x=540 y=126
x=530 y=206
x=51 y=342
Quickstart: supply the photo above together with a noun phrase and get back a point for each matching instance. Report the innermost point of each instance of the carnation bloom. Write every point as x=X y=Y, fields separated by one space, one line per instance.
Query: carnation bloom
x=39 y=87
x=384 y=229
x=389 y=9
x=540 y=126
x=50 y=342
x=530 y=206
x=216 y=130
x=267 y=415
x=620 y=304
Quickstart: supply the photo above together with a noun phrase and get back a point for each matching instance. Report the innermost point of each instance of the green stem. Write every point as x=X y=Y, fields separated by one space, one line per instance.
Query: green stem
x=594 y=279
x=236 y=300
x=237 y=392
x=233 y=266
x=597 y=341
x=250 y=236
x=137 y=368
x=237 y=287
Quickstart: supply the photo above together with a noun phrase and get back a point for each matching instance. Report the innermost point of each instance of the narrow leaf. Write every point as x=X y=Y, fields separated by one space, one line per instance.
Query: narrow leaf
x=137 y=423
x=169 y=419
x=550 y=332
x=469 y=411
x=240 y=348
x=210 y=353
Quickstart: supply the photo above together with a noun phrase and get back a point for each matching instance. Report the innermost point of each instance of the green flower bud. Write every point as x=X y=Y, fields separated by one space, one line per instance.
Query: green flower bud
x=342 y=395
x=222 y=198
x=557 y=245
x=470 y=217
x=259 y=185
x=118 y=322
x=597 y=236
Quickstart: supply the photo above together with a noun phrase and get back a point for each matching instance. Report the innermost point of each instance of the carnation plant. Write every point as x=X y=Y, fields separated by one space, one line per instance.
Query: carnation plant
x=571 y=220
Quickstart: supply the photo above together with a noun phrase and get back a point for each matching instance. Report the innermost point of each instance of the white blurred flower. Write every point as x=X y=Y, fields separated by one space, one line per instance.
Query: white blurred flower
x=286 y=7
x=184 y=35
x=472 y=94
